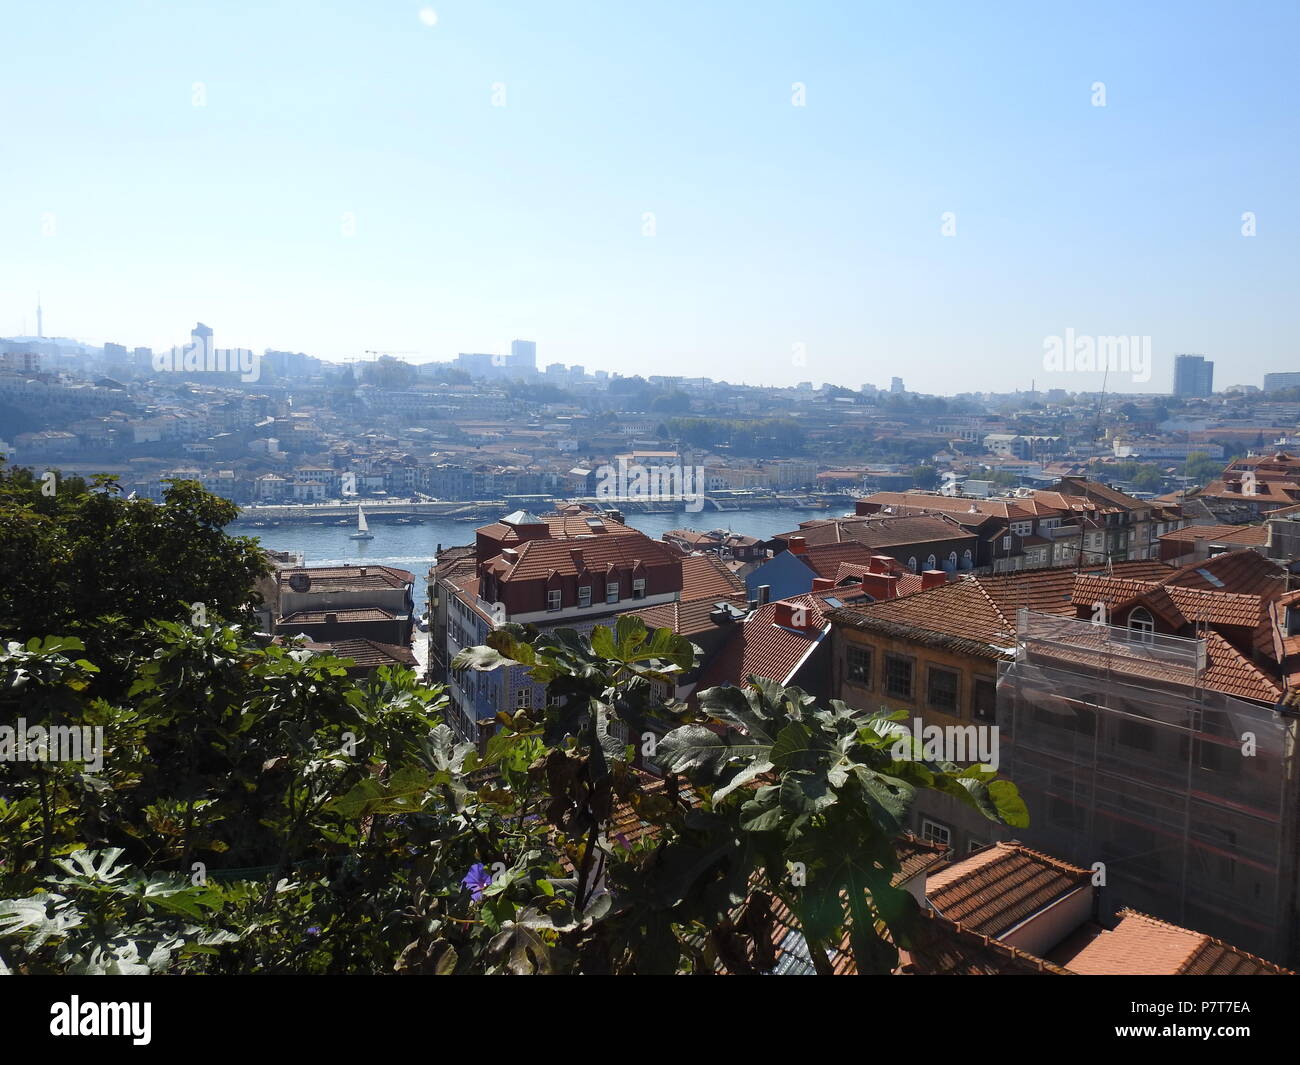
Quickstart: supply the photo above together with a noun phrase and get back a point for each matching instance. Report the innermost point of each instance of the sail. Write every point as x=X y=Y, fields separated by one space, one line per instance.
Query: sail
x=361 y=520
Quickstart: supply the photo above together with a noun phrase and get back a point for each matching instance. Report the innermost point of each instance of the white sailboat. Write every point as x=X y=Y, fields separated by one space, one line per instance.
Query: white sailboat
x=363 y=530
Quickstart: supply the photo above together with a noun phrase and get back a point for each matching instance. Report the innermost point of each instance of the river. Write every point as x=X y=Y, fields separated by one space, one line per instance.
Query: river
x=412 y=547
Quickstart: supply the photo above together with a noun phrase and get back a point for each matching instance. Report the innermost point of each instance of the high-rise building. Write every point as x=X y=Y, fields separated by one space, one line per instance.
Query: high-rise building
x=1275 y=382
x=1193 y=376
x=896 y=385
x=523 y=353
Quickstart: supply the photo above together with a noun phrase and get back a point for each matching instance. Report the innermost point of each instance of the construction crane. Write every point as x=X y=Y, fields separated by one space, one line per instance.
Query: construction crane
x=377 y=354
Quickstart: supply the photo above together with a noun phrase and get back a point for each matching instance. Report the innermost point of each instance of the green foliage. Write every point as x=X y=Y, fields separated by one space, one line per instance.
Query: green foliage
x=258 y=809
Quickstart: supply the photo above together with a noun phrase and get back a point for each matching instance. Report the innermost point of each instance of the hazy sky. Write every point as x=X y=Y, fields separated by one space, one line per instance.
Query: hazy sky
x=341 y=179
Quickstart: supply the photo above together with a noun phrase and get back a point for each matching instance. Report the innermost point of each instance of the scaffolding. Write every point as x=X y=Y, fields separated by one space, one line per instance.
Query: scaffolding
x=1122 y=755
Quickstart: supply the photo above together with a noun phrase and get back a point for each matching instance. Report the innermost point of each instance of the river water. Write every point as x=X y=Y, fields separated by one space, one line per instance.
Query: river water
x=412 y=547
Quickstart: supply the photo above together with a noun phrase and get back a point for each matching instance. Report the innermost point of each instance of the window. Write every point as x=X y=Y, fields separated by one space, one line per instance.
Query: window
x=985 y=703
x=611 y=592
x=951 y=564
x=898 y=677
x=911 y=563
x=638 y=588
x=931 y=562
x=1006 y=543
x=967 y=560
x=973 y=845
x=941 y=692
x=1142 y=624
x=936 y=833
x=584 y=595
x=523 y=698
x=859 y=666
x=553 y=599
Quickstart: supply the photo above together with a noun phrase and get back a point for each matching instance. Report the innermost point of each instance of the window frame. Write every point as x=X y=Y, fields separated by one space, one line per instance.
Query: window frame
x=955 y=709
x=886 y=679
x=859 y=677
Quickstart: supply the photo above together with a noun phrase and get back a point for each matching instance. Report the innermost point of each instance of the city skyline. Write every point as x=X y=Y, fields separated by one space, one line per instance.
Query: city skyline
x=831 y=194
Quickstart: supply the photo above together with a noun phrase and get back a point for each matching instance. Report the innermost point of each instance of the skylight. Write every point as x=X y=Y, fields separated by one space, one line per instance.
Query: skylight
x=1210 y=577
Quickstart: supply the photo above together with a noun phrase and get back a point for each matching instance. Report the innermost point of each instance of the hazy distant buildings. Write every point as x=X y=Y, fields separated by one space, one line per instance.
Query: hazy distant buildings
x=1275 y=382
x=896 y=385
x=1193 y=376
x=523 y=355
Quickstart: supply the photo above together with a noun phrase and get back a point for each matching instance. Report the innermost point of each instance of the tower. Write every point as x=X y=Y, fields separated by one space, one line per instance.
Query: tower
x=40 y=325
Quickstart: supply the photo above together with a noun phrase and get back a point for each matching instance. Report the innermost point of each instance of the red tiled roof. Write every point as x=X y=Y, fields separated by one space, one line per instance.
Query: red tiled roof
x=1246 y=535
x=343 y=615
x=877 y=532
x=350 y=578
x=542 y=558
x=706 y=577
x=998 y=887
x=761 y=648
x=685 y=618
x=368 y=653
x=1146 y=946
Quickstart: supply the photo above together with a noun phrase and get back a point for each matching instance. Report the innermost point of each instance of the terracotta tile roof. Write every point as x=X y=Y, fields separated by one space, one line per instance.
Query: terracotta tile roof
x=368 y=653
x=562 y=527
x=344 y=615
x=998 y=887
x=907 y=582
x=541 y=558
x=1145 y=946
x=878 y=532
x=1242 y=570
x=706 y=577
x=350 y=578
x=1246 y=535
x=761 y=648
x=686 y=618
x=944 y=948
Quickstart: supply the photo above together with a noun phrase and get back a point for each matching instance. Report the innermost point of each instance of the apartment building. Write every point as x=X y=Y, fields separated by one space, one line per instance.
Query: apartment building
x=1146 y=713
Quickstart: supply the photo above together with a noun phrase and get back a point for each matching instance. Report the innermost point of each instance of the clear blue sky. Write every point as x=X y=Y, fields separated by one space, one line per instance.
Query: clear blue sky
x=775 y=225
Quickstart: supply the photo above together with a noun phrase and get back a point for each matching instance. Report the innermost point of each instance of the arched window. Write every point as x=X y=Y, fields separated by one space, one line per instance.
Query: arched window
x=911 y=563
x=931 y=562
x=951 y=565
x=1141 y=623
x=967 y=560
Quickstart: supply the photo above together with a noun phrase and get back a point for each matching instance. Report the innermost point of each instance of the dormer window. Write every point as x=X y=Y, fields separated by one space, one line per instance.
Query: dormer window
x=638 y=588
x=553 y=599
x=1141 y=624
x=584 y=595
x=611 y=592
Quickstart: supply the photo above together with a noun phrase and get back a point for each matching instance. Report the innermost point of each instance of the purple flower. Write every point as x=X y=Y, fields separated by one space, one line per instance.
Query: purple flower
x=477 y=880
x=314 y=930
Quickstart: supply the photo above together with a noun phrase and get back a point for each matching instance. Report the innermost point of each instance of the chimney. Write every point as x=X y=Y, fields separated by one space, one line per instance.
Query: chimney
x=764 y=593
x=797 y=545
x=363 y=571
x=880 y=564
x=880 y=585
x=932 y=578
x=331 y=619
x=794 y=615
x=822 y=583
x=510 y=555
x=576 y=555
